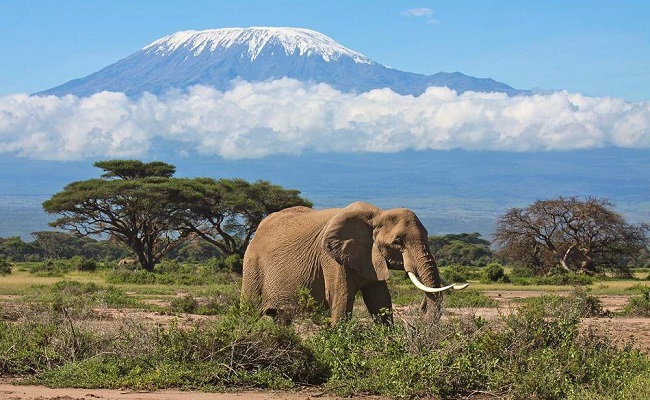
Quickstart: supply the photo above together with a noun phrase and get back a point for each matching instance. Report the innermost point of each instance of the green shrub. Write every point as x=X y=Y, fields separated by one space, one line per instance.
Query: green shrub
x=81 y=263
x=78 y=299
x=5 y=266
x=519 y=271
x=494 y=272
x=238 y=350
x=459 y=273
x=217 y=302
x=578 y=304
x=50 y=268
x=639 y=305
x=537 y=352
x=174 y=273
x=185 y=304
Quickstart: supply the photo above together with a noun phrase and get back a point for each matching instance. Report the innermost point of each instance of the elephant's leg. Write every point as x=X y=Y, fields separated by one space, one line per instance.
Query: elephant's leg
x=251 y=291
x=341 y=300
x=377 y=299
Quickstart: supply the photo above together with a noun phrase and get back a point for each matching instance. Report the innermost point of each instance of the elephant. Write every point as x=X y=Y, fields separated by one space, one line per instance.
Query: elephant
x=333 y=254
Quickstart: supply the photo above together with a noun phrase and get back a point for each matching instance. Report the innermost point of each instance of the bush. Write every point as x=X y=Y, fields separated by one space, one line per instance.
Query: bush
x=639 y=305
x=5 y=266
x=51 y=268
x=238 y=350
x=232 y=263
x=81 y=263
x=494 y=272
x=565 y=279
x=535 y=353
x=578 y=304
x=173 y=273
x=185 y=304
x=78 y=299
x=459 y=273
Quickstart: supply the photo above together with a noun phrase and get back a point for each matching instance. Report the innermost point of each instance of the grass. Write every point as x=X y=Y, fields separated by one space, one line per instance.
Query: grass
x=537 y=351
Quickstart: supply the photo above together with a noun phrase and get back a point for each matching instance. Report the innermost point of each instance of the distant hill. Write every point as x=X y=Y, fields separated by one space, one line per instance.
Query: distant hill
x=216 y=57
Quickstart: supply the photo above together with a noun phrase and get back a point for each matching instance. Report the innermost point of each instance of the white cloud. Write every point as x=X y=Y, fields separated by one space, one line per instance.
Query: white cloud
x=423 y=12
x=288 y=117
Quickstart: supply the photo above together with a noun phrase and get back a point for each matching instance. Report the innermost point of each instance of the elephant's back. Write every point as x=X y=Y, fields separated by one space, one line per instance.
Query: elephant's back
x=296 y=221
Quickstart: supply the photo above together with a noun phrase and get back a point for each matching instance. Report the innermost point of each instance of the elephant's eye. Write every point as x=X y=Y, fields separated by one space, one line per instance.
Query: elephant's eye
x=398 y=242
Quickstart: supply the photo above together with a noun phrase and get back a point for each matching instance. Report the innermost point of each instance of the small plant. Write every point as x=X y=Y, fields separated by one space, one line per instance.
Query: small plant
x=309 y=307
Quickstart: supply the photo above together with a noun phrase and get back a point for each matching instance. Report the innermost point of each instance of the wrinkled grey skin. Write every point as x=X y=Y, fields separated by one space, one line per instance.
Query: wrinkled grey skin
x=335 y=253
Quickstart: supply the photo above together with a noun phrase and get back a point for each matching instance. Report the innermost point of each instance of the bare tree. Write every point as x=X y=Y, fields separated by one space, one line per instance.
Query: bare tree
x=572 y=234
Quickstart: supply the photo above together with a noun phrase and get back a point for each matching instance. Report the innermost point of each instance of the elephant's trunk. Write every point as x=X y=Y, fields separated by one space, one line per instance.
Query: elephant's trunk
x=421 y=268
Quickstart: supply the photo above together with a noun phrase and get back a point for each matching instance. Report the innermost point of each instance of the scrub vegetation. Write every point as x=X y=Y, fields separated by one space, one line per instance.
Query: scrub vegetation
x=86 y=329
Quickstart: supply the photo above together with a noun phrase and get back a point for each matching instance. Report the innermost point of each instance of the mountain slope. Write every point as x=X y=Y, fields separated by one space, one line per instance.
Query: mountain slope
x=216 y=57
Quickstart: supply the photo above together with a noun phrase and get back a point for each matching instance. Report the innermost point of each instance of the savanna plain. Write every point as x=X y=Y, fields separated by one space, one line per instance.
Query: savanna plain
x=116 y=332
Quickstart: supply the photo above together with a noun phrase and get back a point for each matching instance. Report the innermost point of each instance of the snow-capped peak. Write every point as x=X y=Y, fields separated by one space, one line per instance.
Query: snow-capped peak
x=303 y=41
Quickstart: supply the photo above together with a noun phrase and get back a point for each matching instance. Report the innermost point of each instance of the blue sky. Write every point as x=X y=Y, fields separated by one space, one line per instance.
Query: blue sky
x=597 y=48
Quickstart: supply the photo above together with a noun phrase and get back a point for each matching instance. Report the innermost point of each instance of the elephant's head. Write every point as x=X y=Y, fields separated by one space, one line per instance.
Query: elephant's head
x=372 y=241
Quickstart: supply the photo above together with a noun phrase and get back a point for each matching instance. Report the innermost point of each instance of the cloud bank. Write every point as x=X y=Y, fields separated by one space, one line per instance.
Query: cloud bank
x=288 y=117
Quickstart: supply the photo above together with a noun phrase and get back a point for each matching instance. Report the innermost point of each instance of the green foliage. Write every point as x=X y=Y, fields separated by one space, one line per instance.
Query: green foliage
x=536 y=353
x=51 y=268
x=185 y=304
x=494 y=272
x=60 y=245
x=174 y=273
x=5 y=266
x=639 y=305
x=238 y=350
x=460 y=273
x=14 y=249
x=81 y=263
x=522 y=277
x=79 y=299
x=579 y=304
x=227 y=212
x=147 y=210
x=565 y=279
x=463 y=249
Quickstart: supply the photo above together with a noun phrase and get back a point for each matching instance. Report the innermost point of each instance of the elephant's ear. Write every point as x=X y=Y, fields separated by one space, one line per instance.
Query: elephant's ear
x=348 y=239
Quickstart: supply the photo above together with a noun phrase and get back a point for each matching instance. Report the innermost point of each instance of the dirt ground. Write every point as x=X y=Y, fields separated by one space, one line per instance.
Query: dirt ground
x=13 y=392
x=622 y=331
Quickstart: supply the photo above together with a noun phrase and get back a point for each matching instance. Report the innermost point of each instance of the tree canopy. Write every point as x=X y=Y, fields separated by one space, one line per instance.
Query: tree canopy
x=227 y=212
x=461 y=249
x=144 y=207
x=570 y=234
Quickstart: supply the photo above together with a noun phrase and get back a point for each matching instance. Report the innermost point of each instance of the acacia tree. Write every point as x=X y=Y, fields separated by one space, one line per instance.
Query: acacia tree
x=569 y=233
x=133 y=202
x=227 y=212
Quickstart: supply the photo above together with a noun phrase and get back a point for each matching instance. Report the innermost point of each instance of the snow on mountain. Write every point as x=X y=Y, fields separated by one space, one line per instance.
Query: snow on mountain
x=216 y=57
x=306 y=42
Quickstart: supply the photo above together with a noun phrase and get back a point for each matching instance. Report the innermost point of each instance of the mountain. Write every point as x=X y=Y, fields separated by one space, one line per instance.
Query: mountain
x=216 y=57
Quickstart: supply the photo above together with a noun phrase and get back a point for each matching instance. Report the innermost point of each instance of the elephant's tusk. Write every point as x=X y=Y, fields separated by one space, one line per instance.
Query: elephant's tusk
x=425 y=288
x=457 y=286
